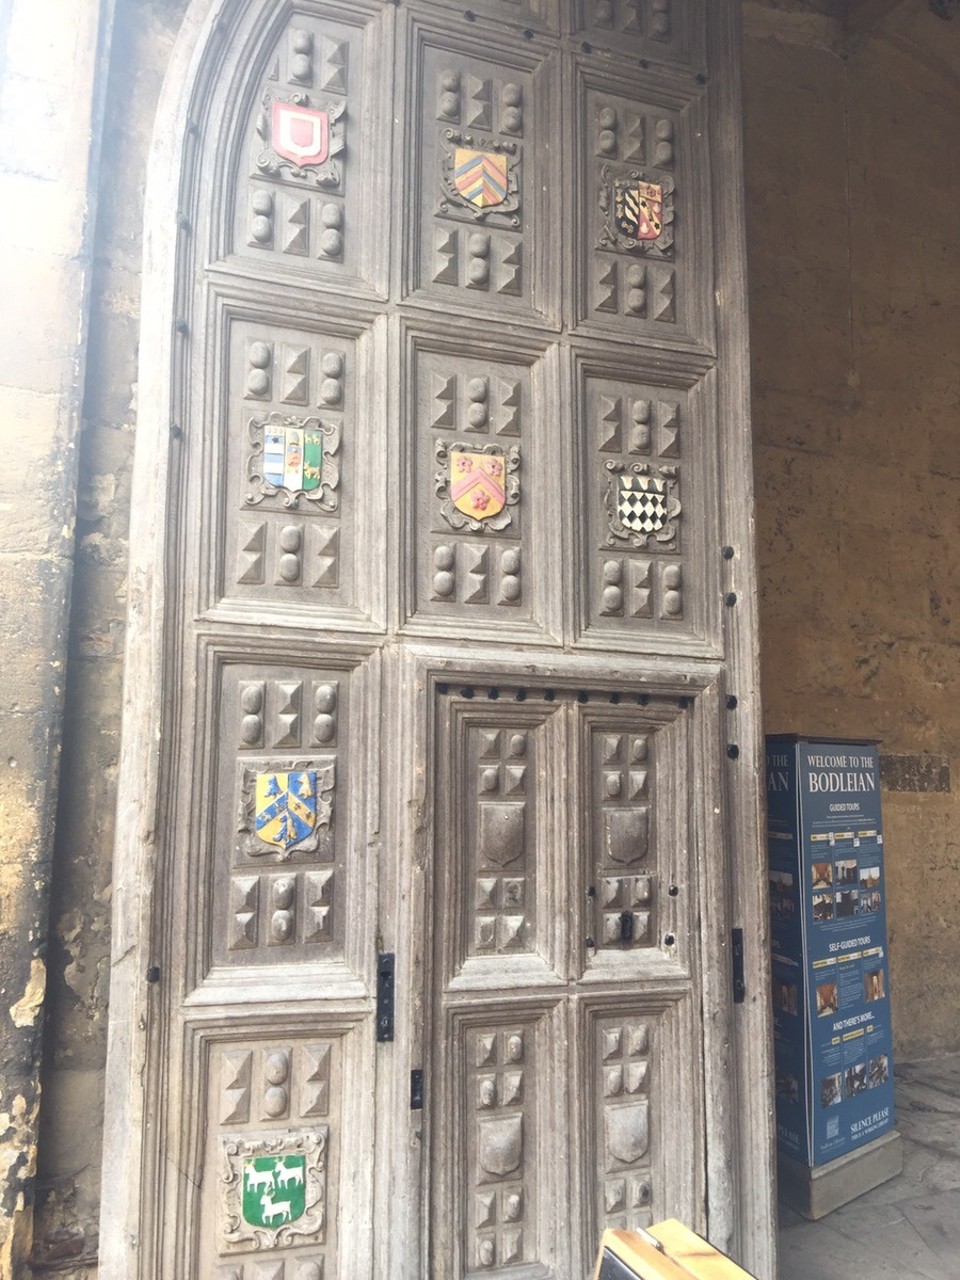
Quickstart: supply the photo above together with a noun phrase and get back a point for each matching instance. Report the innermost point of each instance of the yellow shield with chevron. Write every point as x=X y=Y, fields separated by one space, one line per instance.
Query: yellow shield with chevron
x=477 y=484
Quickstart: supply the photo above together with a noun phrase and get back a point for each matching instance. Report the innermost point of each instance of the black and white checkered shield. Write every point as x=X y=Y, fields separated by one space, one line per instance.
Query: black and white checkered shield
x=642 y=503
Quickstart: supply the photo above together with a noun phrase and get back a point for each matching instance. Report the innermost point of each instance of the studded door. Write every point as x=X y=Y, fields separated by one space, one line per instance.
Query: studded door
x=447 y=666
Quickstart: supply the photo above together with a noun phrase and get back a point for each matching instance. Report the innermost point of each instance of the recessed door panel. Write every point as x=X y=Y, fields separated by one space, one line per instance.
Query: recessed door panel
x=646 y=480
x=282 y=883
x=484 y=490
x=480 y=227
x=644 y=234
x=299 y=202
x=283 y=1143
x=302 y=473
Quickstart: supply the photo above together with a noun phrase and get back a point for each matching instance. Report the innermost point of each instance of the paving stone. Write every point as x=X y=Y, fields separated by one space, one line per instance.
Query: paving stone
x=909 y=1228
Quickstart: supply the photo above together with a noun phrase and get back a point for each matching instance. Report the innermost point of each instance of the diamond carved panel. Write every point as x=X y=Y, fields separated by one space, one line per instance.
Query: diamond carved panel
x=643 y=242
x=269 y=1204
x=501 y=1209
x=502 y=837
x=635 y=854
x=654 y=30
x=481 y=220
x=479 y=497
x=497 y=838
x=623 y=863
x=623 y=1055
x=642 y=1142
x=305 y=155
x=282 y=817
x=295 y=429
x=644 y=479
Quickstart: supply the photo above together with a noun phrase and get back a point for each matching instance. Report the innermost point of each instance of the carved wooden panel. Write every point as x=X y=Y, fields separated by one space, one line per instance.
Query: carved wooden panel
x=498 y=836
x=501 y=1144
x=498 y=1211
x=648 y=571
x=479 y=229
x=525 y=15
x=668 y=31
x=483 y=484
x=624 y=884
x=644 y=237
x=300 y=474
x=635 y=860
x=641 y=1134
x=281 y=1142
x=623 y=1083
x=281 y=833
x=308 y=156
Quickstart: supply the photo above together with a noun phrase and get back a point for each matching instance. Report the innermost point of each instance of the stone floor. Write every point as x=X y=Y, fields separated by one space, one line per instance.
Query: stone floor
x=910 y=1227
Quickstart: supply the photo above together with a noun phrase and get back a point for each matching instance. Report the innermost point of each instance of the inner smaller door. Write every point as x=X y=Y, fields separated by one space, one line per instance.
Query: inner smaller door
x=568 y=1093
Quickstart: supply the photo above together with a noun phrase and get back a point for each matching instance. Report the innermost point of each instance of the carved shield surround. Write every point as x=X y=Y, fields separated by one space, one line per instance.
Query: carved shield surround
x=237 y=1151
x=443 y=486
x=613 y=234
x=249 y=842
x=322 y=172
x=324 y=496
x=456 y=147
x=662 y=484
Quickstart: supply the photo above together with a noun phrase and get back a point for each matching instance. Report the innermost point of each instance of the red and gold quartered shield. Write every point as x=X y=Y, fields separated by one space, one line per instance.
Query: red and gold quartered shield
x=300 y=134
x=480 y=176
x=476 y=484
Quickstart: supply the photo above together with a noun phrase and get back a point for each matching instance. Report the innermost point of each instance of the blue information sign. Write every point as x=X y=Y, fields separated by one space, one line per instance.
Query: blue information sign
x=833 y=1045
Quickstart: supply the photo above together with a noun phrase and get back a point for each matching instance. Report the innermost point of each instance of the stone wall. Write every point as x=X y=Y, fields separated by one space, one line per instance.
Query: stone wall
x=68 y=1183
x=50 y=59
x=855 y=279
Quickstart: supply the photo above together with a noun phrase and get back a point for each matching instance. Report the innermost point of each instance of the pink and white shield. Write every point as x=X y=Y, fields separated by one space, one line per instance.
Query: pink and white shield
x=300 y=134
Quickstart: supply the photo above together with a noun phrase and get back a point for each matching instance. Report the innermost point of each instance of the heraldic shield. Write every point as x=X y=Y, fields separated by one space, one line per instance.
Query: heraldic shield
x=285 y=807
x=641 y=503
x=476 y=484
x=480 y=176
x=638 y=209
x=292 y=459
x=300 y=134
x=274 y=1189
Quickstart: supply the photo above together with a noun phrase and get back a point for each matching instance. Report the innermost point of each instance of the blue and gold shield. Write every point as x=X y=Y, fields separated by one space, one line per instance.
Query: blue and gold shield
x=285 y=810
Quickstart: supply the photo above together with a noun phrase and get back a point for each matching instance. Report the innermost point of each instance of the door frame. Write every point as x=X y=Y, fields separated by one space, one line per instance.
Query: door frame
x=421 y=672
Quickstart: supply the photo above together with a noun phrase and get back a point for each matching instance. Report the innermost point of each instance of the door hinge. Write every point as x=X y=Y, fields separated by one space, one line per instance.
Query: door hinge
x=739 y=986
x=416 y=1089
x=385 y=967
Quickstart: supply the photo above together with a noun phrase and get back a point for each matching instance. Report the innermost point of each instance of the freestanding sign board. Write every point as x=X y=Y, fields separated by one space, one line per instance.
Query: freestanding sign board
x=832 y=1035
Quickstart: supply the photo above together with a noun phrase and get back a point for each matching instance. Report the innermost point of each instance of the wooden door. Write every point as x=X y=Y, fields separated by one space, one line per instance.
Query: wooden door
x=565 y=1027
x=443 y=882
